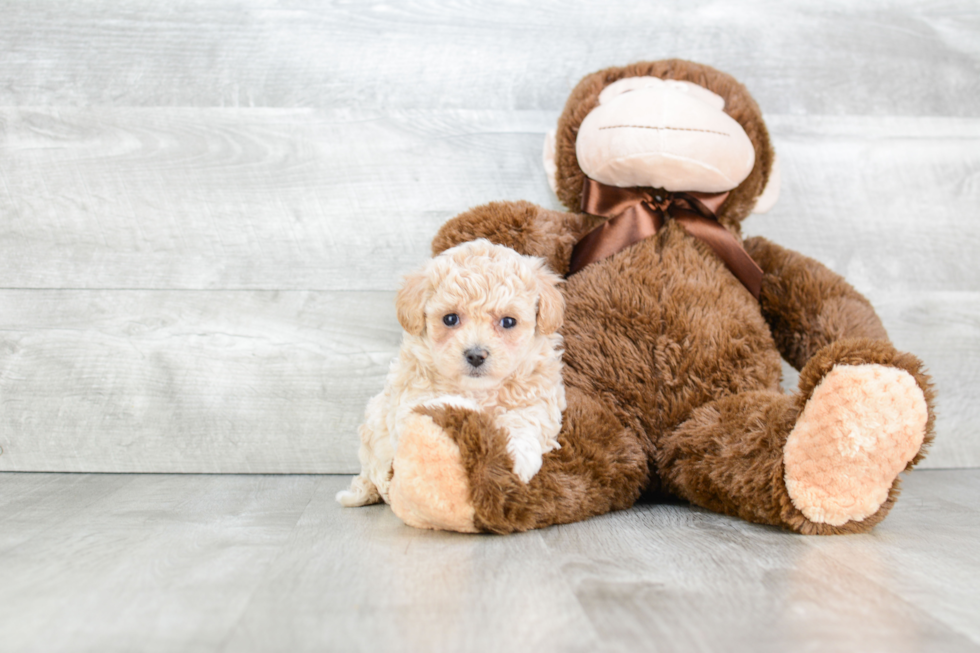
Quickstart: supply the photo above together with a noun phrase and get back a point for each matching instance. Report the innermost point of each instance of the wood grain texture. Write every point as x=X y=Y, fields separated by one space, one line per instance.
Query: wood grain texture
x=154 y=563
x=685 y=580
x=943 y=329
x=865 y=592
x=33 y=504
x=276 y=382
x=345 y=200
x=247 y=199
x=943 y=554
x=376 y=584
x=882 y=57
x=146 y=381
x=205 y=205
x=271 y=563
x=890 y=203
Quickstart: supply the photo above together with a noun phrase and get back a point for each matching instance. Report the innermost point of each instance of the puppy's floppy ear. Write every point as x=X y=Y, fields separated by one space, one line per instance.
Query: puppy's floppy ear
x=410 y=302
x=551 y=303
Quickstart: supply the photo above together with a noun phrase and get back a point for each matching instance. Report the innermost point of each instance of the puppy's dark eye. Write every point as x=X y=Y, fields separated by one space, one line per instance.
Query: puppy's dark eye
x=508 y=323
x=450 y=320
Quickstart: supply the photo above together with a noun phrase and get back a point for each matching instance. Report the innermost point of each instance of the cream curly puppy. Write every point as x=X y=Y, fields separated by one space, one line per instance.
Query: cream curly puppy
x=480 y=326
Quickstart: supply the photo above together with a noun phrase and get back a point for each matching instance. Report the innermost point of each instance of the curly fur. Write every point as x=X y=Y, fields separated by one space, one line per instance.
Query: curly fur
x=518 y=385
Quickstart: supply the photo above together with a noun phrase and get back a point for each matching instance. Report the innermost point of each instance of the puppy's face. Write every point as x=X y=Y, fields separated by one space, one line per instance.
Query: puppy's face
x=480 y=308
x=479 y=339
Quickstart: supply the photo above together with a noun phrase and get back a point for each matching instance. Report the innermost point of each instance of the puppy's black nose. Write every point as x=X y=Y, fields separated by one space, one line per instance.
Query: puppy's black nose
x=476 y=355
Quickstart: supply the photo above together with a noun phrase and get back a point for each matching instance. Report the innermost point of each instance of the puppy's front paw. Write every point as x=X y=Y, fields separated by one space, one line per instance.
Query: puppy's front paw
x=525 y=450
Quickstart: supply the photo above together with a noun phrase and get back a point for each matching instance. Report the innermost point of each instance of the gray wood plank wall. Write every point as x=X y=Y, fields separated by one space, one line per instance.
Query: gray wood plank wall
x=205 y=207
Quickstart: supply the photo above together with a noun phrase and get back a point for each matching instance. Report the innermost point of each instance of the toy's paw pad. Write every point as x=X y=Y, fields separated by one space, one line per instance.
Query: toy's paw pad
x=429 y=488
x=857 y=432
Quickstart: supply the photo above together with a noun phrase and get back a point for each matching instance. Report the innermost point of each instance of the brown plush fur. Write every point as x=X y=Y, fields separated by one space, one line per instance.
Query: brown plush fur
x=806 y=305
x=671 y=367
x=521 y=226
x=581 y=477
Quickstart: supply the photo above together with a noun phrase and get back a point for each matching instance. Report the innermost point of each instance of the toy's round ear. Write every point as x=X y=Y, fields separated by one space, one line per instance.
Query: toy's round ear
x=410 y=302
x=770 y=193
x=550 y=167
x=551 y=304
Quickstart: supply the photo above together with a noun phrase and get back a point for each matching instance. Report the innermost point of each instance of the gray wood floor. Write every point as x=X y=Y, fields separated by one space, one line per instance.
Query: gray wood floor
x=101 y=562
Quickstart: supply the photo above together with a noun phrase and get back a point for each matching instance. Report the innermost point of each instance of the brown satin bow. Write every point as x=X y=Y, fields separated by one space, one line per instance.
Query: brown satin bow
x=638 y=213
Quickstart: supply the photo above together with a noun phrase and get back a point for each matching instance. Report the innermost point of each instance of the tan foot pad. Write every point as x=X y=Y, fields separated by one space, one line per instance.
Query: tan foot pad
x=429 y=488
x=860 y=428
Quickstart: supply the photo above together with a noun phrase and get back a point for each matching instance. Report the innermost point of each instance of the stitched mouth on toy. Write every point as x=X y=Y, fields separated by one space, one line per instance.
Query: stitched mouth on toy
x=664 y=128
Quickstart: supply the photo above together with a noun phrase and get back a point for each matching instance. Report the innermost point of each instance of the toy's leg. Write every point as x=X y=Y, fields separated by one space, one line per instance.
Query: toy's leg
x=429 y=488
x=453 y=472
x=825 y=460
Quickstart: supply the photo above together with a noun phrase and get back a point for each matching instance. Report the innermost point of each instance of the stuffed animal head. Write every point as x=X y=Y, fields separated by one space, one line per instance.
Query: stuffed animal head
x=481 y=309
x=672 y=125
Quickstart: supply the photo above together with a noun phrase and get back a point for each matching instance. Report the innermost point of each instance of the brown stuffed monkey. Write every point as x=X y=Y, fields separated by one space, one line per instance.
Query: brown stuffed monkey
x=674 y=328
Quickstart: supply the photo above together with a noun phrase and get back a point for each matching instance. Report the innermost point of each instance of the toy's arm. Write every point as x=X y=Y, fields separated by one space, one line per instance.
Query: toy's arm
x=527 y=228
x=807 y=305
x=453 y=471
